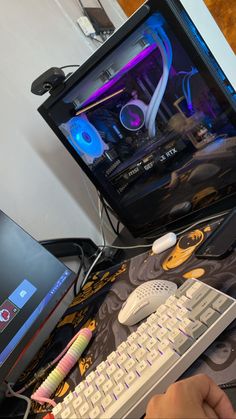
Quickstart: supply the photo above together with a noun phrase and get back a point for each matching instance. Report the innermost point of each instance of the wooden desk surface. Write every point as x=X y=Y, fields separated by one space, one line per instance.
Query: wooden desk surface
x=223 y=11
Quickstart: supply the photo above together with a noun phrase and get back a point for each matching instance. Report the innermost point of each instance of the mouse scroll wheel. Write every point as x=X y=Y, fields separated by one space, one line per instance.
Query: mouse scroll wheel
x=141 y=305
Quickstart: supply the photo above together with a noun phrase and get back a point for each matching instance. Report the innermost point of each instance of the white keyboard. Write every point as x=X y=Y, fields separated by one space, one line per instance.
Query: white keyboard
x=153 y=357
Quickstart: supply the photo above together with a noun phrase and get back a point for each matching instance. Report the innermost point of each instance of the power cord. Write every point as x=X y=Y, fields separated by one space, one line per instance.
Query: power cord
x=80 y=268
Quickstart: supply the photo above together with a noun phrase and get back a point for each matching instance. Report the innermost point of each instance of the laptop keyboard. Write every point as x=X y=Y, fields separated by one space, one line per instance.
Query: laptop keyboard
x=154 y=356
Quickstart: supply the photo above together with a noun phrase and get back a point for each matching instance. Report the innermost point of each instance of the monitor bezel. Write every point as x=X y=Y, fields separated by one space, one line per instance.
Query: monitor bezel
x=15 y=356
x=168 y=9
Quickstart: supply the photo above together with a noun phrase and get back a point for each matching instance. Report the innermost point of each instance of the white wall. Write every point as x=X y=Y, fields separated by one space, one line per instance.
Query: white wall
x=41 y=185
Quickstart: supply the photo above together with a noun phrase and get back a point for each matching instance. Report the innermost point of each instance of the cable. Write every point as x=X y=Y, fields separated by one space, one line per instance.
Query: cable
x=204 y=220
x=91 y=267
x=227 y=385
x=49 y=386
x=67 y=66
x=107 y=208
x=166 y=53
x=20 y=396
x=80 y=267
x=94 y=38
x=126 y=247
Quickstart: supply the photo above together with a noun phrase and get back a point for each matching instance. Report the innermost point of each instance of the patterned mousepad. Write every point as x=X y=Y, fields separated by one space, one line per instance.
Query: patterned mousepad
x=101 y=298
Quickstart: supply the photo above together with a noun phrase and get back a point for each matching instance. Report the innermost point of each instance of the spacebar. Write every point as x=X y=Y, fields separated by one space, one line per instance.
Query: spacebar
x=141 y=385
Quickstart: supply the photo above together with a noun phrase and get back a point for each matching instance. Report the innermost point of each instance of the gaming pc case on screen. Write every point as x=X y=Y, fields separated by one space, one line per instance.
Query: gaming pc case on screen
x=150 y=118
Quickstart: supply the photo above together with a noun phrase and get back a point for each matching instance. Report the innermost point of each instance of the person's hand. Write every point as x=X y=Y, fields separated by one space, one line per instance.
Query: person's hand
x=197 y=397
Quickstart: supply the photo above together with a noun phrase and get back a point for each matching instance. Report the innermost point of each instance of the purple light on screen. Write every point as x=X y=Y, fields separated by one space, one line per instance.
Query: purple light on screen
x=133 y=62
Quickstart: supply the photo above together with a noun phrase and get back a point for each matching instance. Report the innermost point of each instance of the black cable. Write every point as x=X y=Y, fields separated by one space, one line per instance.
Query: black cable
x=82 y=258
x=95 y=39
x=67 y=66
x=227 y=385
x=107 y=209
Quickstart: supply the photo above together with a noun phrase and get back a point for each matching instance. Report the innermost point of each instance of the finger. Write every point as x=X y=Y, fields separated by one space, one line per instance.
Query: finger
x=153 y=405
x=209 y=412
x=202 y=387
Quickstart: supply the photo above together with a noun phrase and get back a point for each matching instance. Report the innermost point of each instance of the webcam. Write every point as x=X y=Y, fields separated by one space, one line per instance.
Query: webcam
x=48 y=81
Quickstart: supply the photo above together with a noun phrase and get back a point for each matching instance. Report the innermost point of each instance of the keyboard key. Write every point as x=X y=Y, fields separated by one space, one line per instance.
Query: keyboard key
x=209 y=316
x=88 y=391
x=101 y=367
x=131 y=338
x=67 y=413
x=140 y=354
x=182 y=343
x=130 y=378
x=84 y=409
x=68 y=398
x=78 y=402
x=132 y=349
x=195 y=329
x=95 y=413
x=118 y=390
x=122 y=347
x=141 y=367
x=57 y=409
x=100 y=380
x=152 y=356
x=80 y=387
x=96 y=397
x=222 y=303
x=142 y=339
x=110 y=370
x=118 y=375
x=112 y=356
x=90 y=378
x=106 y=401
x=129 y=365
x=201 y=307
x=193 y=290
x=121 y=359
x=107 y=386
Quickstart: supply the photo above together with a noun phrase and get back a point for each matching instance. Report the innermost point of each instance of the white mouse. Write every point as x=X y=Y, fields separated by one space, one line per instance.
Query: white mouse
x=144 y=300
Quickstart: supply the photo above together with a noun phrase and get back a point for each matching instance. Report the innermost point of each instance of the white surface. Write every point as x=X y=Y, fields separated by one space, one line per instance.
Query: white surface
x=41 y=185
x=144 y=300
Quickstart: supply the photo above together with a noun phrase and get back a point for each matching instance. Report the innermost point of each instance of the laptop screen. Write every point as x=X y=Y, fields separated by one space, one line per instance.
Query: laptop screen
x=151 y=123
x=32 y=283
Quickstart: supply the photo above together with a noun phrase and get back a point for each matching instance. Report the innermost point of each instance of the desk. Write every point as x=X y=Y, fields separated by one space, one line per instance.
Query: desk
x=100 y=300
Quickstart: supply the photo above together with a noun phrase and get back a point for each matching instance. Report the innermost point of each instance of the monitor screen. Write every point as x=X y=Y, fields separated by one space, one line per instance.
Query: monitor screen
x=32 y=283
x=150 y=122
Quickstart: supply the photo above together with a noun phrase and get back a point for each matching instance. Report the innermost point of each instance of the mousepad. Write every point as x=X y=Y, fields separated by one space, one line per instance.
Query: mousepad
x=98 y=304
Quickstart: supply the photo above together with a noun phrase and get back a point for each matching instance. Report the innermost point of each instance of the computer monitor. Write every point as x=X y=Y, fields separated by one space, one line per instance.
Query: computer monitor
x=150 y=118
x=33 y=282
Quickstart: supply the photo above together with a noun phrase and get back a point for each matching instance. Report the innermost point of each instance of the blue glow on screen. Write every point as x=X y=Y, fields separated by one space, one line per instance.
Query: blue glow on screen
x=26 y=326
